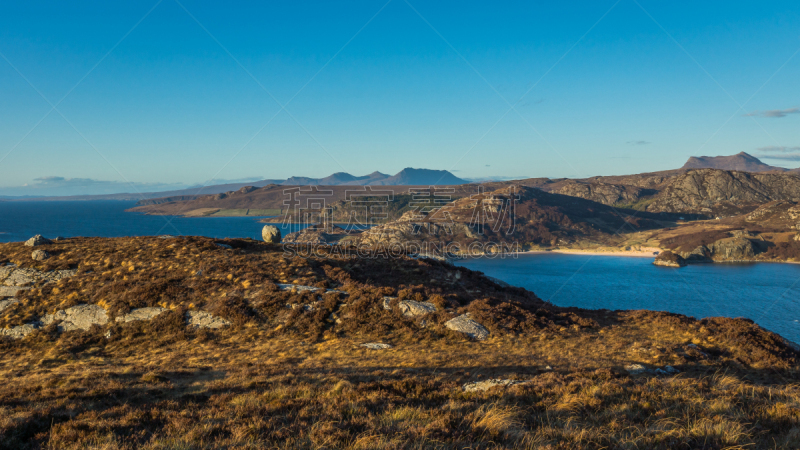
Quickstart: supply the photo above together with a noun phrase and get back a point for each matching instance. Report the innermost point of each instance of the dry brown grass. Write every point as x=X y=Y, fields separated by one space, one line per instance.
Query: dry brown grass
x=291 y=379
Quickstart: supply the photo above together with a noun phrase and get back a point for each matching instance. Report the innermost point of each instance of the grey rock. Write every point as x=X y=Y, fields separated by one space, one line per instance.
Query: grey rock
x=410 y=308
x=19 y=332
x=464 y=324
x=635 y=369
x=479 y=386
x=386 y=303
x=40 y=255
x=141 y=314
x=11 y=291
x=376 y=346
x=732 y=249
x=5 y=304
x=271 y=234
x=202 y=319
x=80 y=317
x=225 y=246
x=25 y=277
x=37 y=240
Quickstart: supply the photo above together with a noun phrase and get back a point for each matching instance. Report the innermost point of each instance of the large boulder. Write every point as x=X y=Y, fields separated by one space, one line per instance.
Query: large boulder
x=37 y=240
x=271 y=234
x=464 y=324
x=39 y=255
x=80 y=317
x=410 y=308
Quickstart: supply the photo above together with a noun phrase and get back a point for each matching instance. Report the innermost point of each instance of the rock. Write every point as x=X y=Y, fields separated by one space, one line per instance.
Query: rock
x=140 y=314
x=5 y=304
x=271 y=234
x=635 y=369
x=700 y=254
x=485 y=385
x=386 y=303
x=39 y=255
x=37 y=240
x=410 y=308
x=19 y=332
x=667 y=370
x=471 y=328
x=669 y=259
x=225 y=246
x=25 y=277
x=301 y=288
x=11 y=291
x=732 y=249
x=80 y=317
x=376 y=346
x=202 y=319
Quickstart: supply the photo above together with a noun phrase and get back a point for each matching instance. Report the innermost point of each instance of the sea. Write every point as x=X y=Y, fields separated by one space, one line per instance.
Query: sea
x=768 y=293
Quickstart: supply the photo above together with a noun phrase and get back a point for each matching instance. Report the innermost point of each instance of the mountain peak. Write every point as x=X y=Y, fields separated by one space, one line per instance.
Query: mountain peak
x=742 y=161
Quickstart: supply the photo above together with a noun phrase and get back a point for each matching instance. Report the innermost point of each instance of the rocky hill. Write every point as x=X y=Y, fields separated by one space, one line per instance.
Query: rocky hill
x=741 y=162
x=199 y=343
x=515 y=214
x=725 y=192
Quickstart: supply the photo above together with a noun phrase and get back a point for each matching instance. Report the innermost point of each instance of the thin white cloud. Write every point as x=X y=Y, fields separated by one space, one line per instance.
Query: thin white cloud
x=637 y=142
x=775 y=113
x=777 y=149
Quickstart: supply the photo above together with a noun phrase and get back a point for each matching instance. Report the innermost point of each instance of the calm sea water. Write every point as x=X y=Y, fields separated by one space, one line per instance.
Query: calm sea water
x=768 y=293
x=21 y=220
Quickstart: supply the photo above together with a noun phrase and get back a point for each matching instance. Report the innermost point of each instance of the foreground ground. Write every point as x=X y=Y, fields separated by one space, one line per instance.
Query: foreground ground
x=284 y=376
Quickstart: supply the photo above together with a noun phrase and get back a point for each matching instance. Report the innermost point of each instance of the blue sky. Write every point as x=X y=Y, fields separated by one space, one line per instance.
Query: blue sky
x=164 y=94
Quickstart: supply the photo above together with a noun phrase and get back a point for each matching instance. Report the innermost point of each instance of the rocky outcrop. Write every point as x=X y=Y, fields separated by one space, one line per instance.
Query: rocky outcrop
x=722 y=191
x=37 y=240
x=376 y=346
x=202 y=319
x=411 y=308
x=20 y=331
x=141 y=314
x=480 y=386
x=732 y=249
x=605 y=193
x=40 y=255
x=14 y=276
x=80 y=317
x=5 y=304
x=271 y=234
x=11 y=291
x=669 y=259
x=464 y=324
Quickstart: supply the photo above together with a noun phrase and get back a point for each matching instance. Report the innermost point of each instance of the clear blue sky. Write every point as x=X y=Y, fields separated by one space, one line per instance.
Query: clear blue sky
x=598 y=87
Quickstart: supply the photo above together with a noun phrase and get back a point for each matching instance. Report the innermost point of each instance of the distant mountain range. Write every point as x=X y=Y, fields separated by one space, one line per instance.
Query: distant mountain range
x=406 y=177
x=742 y=162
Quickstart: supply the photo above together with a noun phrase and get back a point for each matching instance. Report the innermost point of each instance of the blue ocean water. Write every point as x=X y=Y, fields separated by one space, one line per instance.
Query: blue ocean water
x=768 y=293
x=21 y=220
